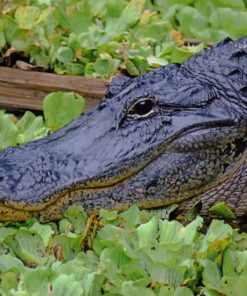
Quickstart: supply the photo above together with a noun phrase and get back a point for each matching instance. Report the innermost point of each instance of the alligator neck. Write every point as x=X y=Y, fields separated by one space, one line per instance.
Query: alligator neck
x=233 y=191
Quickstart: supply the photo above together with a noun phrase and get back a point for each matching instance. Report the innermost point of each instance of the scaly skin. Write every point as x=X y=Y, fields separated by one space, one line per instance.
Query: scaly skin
x=173 y=135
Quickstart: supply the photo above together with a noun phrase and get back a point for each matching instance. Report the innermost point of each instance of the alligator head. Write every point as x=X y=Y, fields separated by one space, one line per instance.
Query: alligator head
x=168 y=136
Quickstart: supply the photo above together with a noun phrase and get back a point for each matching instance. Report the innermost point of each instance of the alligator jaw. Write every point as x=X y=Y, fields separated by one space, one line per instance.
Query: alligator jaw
x=95 y=197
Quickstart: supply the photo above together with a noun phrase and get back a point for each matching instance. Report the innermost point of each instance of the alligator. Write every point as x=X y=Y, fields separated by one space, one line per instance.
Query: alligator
x=170 y=136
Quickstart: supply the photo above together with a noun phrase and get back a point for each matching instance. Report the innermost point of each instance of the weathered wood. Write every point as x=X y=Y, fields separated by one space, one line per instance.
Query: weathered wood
x=27 y=89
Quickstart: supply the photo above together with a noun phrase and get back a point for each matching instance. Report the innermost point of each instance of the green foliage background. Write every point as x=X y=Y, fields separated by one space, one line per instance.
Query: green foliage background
x=133 y=253
x=99 y=38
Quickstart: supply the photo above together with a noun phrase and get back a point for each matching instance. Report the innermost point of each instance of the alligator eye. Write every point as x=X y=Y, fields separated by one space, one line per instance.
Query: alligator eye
x=142 y=108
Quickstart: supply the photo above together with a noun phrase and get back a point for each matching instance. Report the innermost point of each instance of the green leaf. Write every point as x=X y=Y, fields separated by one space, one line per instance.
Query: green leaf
x=210 y=292
x=114 y=236
x=28 y=247
x=156 y=62
x=27 y=16
x=30 y=127
x=70 y=245
x=38 y=281
x=234 y=286
x=75 y=68
x=2 y=40
x=61 y=108
x=161 y=273
x=134 y=270
x=92 y=283
x=44 y=230
x=9 y=282
x=39 y=56
x=108 y=215
x=131 y=68
x=183 y=291
x=8 y=130
x=113 y=8
x=9 y=262
x=147 y=233
x=167 y=291
x=155 y=31
x=233 y=22
x=141 y=64
x=164 y=212
x=111 y=260
x=130 y=289
x=66 y=285
x=211 y=275
x=65 y=54
x=80 y=17
x=180 y=54
x=129 y=17
x=217 y=231
x=167 y=3
x=5 y=231
x=77 y=217
x=131 y=215
x=191 y=21
x=222 y=210
x=133 y=11
x=191 y=230
x=170 y=232
x=235 y=263
x=105 y=68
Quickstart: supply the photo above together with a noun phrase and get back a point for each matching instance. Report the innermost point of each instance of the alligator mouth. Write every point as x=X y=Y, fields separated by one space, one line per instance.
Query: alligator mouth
x=209 y=136
x=227 y=130
x=177 y=143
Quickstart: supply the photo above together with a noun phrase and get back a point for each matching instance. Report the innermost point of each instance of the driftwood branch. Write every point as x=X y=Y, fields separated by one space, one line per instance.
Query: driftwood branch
x=27 y=89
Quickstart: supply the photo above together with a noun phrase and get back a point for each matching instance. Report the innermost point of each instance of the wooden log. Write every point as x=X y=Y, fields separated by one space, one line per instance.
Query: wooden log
x=27 y=89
